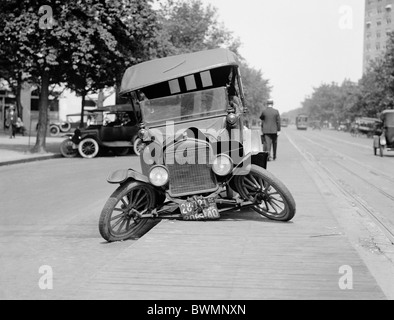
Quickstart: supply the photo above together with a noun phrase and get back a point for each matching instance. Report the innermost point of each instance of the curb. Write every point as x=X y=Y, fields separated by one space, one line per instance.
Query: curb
x=33 y=159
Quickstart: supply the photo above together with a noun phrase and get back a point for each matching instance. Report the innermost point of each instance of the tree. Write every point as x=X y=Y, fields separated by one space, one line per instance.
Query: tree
x=85 y=43
x=111 y=36
x=189 y=26
x=257 y=89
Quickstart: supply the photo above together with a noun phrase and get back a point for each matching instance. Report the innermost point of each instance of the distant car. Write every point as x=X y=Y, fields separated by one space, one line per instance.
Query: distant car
x=72 y=122
x=285 y=122
x=364 y=125
x=111 y=128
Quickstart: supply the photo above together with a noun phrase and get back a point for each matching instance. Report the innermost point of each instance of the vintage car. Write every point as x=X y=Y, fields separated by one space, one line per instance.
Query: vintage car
x=384 y=133
x=112 y=128
x=285 y=122
x=198 y=158
x=364 y=126
x=315 y=124
x=72 y=122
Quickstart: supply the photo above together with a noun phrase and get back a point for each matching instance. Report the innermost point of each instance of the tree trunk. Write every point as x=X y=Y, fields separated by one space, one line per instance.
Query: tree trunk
x=43 y=115
x=81 y=125
x=100 y=98
x=19 y=107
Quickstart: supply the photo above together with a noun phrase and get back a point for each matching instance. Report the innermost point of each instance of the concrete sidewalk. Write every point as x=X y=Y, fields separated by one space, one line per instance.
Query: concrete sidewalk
x=13 y=151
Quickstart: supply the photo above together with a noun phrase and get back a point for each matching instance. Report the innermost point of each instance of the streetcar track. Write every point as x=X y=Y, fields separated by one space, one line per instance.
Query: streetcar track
x=350 y=195
x=347 y=142
x=383 y=192
x=373 y=171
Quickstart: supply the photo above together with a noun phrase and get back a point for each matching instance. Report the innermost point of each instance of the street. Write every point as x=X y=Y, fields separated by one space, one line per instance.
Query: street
x=344 y=194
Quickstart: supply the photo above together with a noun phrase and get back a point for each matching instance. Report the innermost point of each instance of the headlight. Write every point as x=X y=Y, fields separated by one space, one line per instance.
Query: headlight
x=222 y=165
x=144 y=135
x=159 y=176
x=232 y=119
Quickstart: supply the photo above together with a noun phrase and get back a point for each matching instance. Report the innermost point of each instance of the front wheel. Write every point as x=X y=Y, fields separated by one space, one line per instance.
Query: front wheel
x=120 y=219
x=67 y=149
x=270 y=196
x=88 y=148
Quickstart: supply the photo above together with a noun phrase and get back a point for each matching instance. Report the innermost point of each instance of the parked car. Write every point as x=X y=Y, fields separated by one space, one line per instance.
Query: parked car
x=112 y=128
x=365 y=126
x=72 y=122
x=285 y=122
x=315 y=124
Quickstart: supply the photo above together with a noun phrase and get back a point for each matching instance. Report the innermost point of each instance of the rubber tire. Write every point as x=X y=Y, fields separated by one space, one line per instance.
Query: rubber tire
x=266 y=176
x=65 y=127
x=95 y=145
x=105 y=218
x=136 y=143
x=66 y=149
x=54 y=130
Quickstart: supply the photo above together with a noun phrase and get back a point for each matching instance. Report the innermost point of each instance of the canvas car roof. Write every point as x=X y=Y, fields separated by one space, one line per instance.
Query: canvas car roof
x=160 y=70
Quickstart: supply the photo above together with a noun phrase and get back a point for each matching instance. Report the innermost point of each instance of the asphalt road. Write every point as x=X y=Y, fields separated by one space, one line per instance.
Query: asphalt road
x=350 y=163
x=50 y=209
x=49 y=216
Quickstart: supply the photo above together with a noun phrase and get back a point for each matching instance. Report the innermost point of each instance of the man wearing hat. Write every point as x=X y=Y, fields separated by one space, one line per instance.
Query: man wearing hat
x=270 y=127
x=12 y=118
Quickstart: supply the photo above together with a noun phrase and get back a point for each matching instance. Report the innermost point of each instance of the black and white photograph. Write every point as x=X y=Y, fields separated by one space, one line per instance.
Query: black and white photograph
x=196 y=156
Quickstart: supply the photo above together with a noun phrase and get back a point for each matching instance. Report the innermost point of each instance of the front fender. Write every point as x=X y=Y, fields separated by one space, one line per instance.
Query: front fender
x=121 y=176
x=257 y=158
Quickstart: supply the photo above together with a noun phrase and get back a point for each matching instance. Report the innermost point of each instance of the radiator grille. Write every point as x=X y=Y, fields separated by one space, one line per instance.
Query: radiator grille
x=190 y=169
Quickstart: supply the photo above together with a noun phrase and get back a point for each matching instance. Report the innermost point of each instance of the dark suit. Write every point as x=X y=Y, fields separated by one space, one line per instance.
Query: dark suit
x=270 y=126
x=12 y=120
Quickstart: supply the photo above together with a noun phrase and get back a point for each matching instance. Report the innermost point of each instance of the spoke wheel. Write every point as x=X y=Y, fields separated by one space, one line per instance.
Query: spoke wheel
x=54 y=130
x=67 y=150
x=271 y=197
x=138 y=146
x=120 y=219
x=88 y=148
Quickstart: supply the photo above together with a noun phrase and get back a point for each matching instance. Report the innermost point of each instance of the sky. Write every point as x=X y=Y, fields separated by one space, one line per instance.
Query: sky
x=297 y=44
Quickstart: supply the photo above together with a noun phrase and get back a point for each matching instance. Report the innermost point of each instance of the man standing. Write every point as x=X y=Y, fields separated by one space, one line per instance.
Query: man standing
x=270 y=127
x=12 y=120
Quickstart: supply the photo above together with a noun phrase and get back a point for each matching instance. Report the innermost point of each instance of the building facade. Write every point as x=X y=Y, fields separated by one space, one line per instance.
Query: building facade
x=379 y=23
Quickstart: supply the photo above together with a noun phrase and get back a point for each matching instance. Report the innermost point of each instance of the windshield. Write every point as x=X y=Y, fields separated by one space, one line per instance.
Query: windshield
x=188 y=106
